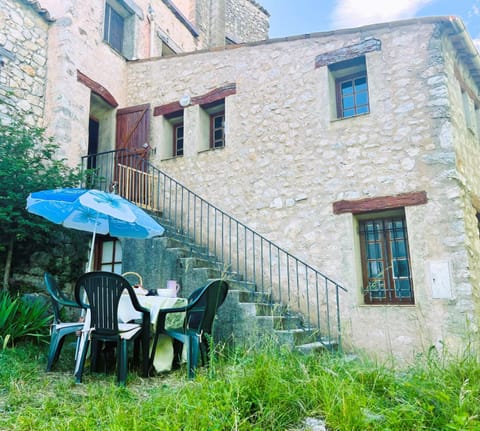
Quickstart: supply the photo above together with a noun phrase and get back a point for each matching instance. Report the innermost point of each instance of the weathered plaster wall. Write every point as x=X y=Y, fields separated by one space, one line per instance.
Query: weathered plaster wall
x=286 y=162
x=76 y=39
x=23 y=62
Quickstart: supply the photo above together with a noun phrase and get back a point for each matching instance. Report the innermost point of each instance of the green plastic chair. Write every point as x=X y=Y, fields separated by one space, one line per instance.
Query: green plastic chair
x=59 y=329
x=199 y=316
x=103 y=291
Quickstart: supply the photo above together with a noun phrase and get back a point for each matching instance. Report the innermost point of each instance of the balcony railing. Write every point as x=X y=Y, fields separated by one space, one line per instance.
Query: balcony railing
x=236 y=248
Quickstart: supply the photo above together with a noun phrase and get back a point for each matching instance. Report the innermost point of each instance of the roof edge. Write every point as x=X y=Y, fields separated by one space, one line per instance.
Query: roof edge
x=44 y=13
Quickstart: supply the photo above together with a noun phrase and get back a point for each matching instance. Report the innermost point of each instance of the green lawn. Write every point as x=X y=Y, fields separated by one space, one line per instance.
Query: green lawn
x=257 y=389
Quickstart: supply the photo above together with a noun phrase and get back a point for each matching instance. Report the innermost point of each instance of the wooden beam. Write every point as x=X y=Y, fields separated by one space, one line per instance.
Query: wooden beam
x=379 y=204
x=348 y=52
x=212 y=96
x=216 y=94
x=167 y=109
x=97 y=88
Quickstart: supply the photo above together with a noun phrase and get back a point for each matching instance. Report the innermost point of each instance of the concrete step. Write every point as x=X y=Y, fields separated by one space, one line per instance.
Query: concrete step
x=208 y=273
x=296 y=337
x=280 y=323
x=317 y=347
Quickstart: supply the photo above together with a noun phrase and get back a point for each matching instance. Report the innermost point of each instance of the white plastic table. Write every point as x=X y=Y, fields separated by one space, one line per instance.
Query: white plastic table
x=164 y=351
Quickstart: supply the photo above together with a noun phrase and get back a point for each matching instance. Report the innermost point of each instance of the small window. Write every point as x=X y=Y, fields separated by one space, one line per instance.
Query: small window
x=385 y=260
x=109 y=255
x=216 y=113
x=113 y=28
x=178 y=140
x=121 y=25
x=218 y=130
x=175 y=132
x=351 y=87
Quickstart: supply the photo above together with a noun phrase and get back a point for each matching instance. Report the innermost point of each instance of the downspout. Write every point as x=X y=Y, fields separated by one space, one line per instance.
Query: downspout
x=151 y=20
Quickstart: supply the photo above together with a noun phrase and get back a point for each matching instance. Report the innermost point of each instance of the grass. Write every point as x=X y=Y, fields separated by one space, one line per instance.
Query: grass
x=253 y=389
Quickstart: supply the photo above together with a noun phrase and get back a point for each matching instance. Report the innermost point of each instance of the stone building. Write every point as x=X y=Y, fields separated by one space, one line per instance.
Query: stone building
x=355 y=150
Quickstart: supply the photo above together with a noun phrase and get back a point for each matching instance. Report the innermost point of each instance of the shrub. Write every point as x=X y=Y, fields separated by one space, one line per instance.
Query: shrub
x=21 y=318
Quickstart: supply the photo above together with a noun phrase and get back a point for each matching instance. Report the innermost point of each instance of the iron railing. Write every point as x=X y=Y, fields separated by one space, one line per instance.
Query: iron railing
x=236 y=248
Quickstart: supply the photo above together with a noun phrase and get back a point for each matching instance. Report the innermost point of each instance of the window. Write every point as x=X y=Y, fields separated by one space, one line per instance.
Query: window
x=120 y=25
x=351 y=87
x=178 y=140
x=174 y=133
x=216 y=113
x=113 y=28
x=109 y=255
x=218 y=130
x=385 y=260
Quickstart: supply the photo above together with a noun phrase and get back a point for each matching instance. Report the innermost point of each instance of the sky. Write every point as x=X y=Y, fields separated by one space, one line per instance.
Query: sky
x=296 y=17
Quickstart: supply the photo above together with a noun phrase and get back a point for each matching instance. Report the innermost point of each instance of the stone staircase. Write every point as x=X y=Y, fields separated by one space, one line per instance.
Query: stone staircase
x=246 y=317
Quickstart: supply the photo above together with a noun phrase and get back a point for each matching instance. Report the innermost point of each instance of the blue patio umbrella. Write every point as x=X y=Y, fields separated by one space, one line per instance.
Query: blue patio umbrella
x=93 y=211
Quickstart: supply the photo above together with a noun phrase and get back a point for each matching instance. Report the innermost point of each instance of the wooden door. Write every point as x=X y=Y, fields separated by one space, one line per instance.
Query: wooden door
x=133 y=149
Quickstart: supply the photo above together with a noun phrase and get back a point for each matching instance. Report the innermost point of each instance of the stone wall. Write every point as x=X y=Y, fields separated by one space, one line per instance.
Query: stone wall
x=245 y=21
x=287 y=160
x=23 y=61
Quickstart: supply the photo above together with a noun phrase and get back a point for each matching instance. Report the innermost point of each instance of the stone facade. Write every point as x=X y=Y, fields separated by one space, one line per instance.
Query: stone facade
x=23 y=60
x=288 y=161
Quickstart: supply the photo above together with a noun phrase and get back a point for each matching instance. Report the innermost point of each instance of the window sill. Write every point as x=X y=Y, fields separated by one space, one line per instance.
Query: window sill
x=349 y=118
x=211 y=149
x=170 y=158
x=387 y=305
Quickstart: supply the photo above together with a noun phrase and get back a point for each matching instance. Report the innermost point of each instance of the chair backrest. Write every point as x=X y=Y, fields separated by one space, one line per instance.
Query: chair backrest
x=103 y=291
x=57 y=296
x=203 y=306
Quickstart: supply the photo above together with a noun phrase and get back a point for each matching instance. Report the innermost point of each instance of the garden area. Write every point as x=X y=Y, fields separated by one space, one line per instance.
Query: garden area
x=263 y=387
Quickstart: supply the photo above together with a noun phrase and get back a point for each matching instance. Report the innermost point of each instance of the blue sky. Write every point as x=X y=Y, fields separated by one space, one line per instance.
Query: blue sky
x=295 y=17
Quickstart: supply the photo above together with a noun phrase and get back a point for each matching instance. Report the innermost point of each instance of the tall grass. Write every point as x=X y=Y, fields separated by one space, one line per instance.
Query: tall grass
x=250 y=389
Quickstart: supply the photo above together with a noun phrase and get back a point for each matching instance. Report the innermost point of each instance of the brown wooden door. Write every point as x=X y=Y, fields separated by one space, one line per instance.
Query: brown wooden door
x=133 y=149
x=133 y=130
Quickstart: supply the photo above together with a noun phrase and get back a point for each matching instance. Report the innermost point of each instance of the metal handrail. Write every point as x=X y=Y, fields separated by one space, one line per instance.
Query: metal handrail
x=234 y=247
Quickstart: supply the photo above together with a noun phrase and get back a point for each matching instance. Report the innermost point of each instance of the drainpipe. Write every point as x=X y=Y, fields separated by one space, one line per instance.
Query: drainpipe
x=151 y=20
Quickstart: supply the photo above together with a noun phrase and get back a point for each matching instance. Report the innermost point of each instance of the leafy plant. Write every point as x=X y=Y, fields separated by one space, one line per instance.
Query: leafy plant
x=21 y=318
x=28 y=162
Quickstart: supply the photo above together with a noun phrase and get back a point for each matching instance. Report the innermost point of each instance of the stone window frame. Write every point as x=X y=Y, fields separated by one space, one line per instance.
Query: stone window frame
x=173 y=122
x=380 y=208
x=352 y=73
x=129 y=13
x=176 y=122
x=338 y=65
x=215 y=112
x=385 y=258
x=209 y=104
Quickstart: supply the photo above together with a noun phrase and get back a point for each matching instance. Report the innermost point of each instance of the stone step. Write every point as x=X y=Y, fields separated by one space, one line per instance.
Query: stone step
x=296 y=337
x=317 y=347
x=208 y=273
x=282 y=322
x=197 y=262
x=240 y=285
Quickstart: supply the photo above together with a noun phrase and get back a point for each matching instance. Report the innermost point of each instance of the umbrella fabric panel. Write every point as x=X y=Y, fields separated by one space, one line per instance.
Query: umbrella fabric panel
x=93 y=211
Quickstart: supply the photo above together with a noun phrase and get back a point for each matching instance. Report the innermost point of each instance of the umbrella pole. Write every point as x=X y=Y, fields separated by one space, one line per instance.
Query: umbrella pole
x=92 y=247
